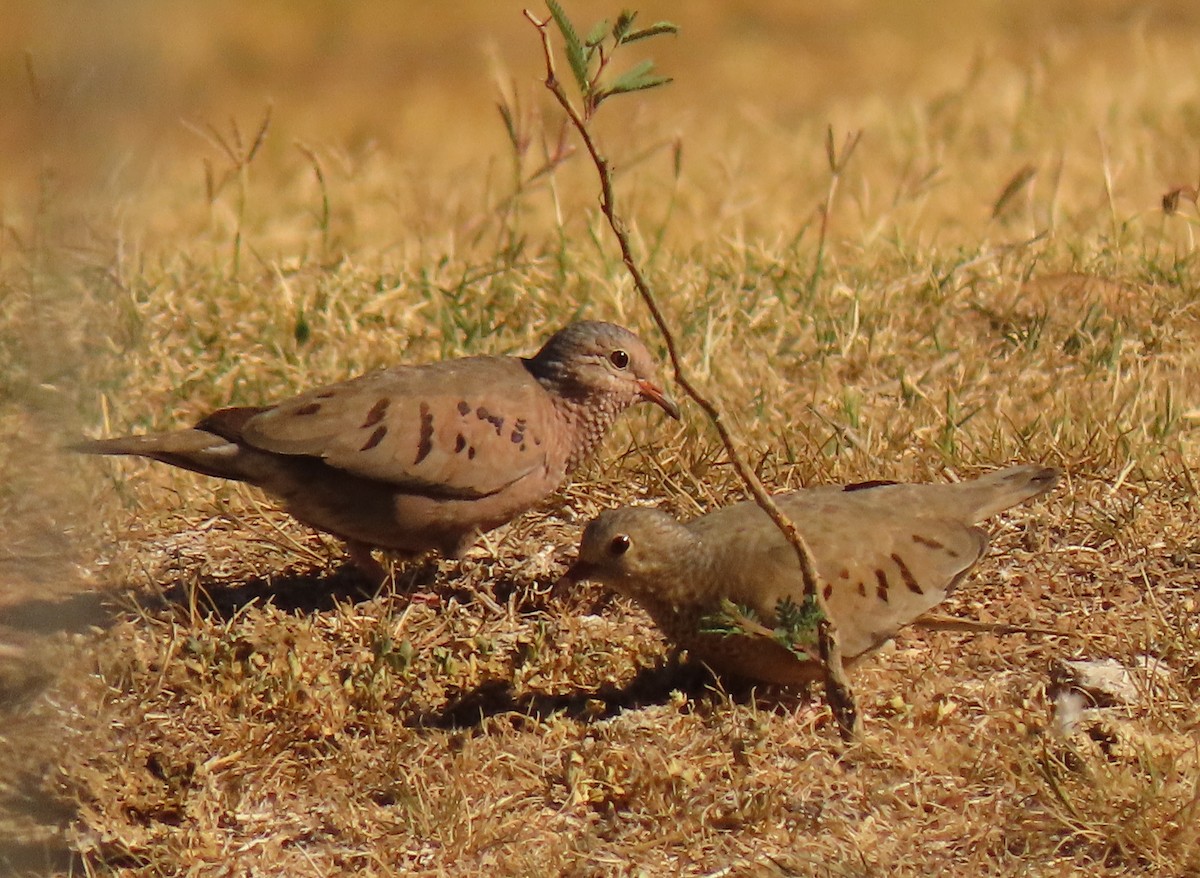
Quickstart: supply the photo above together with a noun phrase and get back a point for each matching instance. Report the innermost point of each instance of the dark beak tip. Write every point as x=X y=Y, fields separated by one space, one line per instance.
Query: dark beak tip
x=655 y=394
x=577 y=572
x=569 y=577
x=567 y=583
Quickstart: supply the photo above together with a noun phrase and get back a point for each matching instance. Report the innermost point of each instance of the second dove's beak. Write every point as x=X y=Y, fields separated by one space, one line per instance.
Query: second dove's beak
x=578 y=572
x=659 y=397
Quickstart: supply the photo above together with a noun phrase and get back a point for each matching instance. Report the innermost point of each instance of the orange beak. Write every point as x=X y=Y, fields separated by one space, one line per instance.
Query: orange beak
x=652 y=393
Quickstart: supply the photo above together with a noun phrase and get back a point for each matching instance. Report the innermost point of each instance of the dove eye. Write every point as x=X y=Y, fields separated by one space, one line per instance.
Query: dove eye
x=619 y=358
x=620 y=545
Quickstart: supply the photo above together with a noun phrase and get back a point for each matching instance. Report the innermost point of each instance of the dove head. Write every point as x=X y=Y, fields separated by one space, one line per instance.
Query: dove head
x=636 y=551
x=595 y=371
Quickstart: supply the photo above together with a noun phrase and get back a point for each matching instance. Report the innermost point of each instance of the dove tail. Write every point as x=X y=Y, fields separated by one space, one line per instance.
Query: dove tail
x=1005 y=488
x=196 y=450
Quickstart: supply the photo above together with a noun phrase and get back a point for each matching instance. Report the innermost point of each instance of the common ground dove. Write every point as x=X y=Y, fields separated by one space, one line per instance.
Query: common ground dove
x=413 y=458
x=885 y=553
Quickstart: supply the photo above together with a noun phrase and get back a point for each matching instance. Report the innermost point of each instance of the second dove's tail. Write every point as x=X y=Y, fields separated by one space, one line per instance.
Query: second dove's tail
x=993 y=493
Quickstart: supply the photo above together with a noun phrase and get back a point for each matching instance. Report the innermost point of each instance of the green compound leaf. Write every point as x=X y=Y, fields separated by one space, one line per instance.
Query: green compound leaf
x=730 y=620
x=795 y=631
x=638 y=78
x=624 y=23
x=598 y=32
x=797 y=628
x=574 y=47
x=659 y=27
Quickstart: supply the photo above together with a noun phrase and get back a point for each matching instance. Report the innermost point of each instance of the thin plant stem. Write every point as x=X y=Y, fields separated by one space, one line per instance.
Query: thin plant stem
x=838 y=693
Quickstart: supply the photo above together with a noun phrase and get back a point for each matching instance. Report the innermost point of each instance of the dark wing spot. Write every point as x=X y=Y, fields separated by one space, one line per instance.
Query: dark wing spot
x=827 y=591
x=910 y=581
x=376 y=437
x=327 y=394
x=463 y=407
x=843 y=573
x=425 y=443
x=522 y=446
x=471 y=453
x=881 y=590
x=495 y=420
x=929 y=542
x=863 y=486
x=375 y=415
x=517 y=437
x=862 y=589
x=310 y=408
x=460 y=443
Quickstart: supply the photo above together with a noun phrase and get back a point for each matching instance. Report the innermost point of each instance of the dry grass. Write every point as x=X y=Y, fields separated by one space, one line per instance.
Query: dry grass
x=189 y=682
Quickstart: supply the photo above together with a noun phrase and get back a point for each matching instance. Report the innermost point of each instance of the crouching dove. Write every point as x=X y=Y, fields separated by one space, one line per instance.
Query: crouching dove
x=885 y=553
x=413 y=458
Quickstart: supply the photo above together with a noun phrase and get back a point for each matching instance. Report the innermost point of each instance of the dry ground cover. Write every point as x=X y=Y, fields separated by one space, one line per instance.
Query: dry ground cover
x=190 y=683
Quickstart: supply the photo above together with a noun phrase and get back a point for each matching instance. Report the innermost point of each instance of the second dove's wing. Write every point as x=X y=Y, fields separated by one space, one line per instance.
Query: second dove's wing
x=880 y=567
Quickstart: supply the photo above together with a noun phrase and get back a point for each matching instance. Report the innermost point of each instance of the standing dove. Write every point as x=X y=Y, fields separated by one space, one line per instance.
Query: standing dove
x=412 y=458
x=885 y=553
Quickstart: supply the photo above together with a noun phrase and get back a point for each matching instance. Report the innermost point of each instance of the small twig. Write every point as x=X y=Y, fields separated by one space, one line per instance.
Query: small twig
x=240 y=156
x=1106 y=167
x=837 y=686
x=837 y=165
x=1015 y=184
x=974 y=626
x=323 y=220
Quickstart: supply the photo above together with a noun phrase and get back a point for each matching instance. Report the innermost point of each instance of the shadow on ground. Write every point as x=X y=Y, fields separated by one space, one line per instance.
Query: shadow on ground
x=316 y=590
x=31 y=841
x=649 y=687
x=294 y=591
x=42 y=601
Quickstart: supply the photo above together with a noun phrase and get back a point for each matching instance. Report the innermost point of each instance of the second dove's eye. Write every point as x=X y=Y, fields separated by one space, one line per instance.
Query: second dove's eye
x=619 y=358
x=620 y=545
